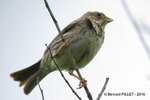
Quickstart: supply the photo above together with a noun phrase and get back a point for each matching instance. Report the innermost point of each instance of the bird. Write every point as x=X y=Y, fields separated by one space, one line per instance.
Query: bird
x=84 y=38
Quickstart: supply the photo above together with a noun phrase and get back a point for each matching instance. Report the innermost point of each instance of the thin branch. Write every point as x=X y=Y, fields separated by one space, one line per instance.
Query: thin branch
x=51 y=14
x=41 y=90
x=68 y=50
x=145 y=27
x=62 y=73
x=103 y=89
x=136 y=26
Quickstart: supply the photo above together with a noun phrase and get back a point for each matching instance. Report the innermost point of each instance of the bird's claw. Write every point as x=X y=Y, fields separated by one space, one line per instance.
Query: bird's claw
x=82 y=83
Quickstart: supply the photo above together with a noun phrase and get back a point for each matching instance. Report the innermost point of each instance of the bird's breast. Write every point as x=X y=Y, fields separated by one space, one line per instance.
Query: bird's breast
x=85 y=49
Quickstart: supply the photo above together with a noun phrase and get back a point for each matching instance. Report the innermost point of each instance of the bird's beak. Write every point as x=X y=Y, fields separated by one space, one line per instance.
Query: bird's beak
x=108 y=20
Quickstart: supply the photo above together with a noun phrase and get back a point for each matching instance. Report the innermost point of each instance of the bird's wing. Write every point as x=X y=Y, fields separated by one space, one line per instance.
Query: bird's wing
x=80 y=22
x=58 y=45
x=58 y=41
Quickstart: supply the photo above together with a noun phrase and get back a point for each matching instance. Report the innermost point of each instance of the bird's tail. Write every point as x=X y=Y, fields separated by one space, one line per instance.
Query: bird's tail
x=29 y=77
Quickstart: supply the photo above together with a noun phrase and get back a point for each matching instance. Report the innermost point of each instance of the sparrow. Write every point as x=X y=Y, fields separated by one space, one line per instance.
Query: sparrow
x=84 y=37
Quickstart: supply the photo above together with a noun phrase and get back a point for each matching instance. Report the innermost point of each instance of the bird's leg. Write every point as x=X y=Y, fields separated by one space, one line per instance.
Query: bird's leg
x=82 y=83
x=64 y=45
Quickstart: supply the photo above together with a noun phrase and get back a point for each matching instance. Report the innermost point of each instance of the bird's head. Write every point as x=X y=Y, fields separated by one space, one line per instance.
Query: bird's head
x=99 y=18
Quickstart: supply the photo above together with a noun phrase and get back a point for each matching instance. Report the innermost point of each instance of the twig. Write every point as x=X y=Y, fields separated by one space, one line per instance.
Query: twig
x=68 y=50
x=62 y=73
x=145 y=27
x=41 y=91
x=103 y=89
x=136 y=26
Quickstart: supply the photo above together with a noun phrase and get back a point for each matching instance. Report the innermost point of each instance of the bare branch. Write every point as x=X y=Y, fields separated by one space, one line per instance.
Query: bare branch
x=103 y=89
x=41 y=90
x=136 y=26
x=145 y=27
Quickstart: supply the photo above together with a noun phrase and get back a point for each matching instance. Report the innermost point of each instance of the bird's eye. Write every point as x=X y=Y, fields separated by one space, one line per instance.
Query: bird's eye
x=99 y=14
